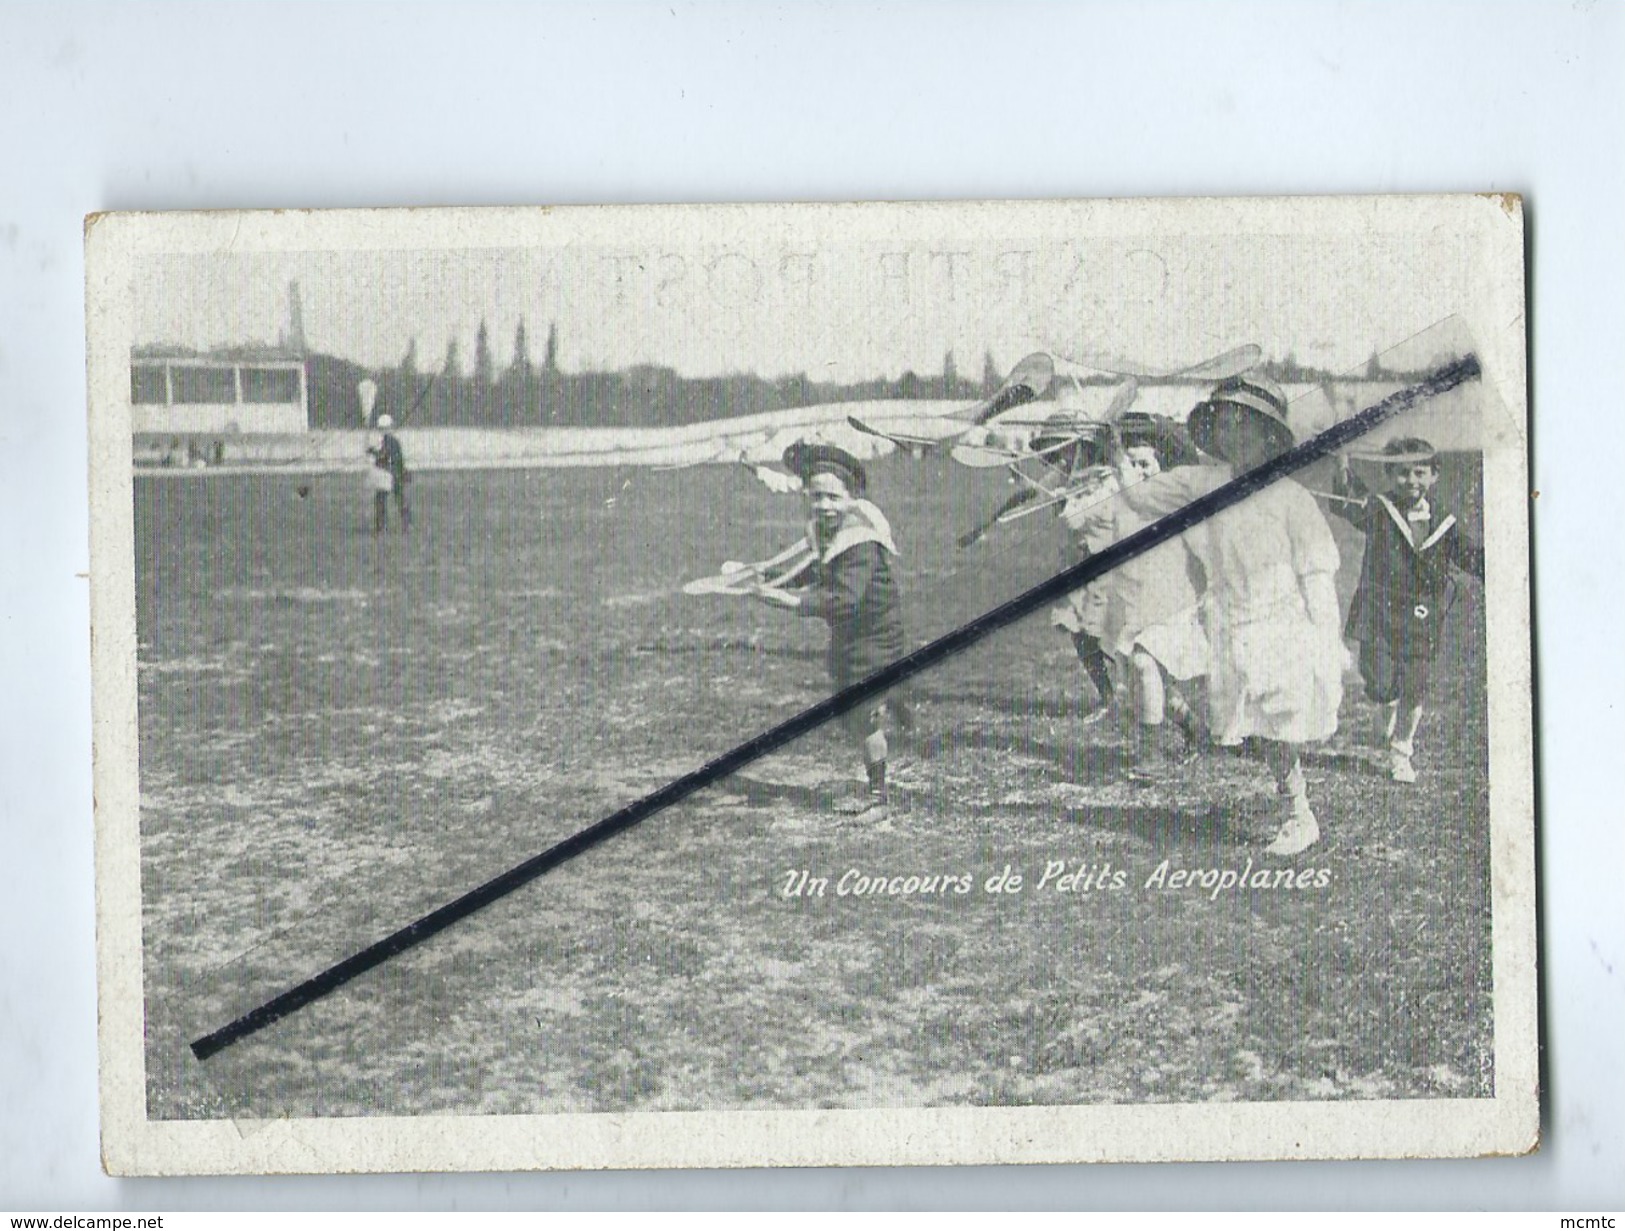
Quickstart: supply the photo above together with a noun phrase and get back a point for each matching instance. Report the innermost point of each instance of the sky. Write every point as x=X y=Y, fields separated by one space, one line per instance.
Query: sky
x=835 y=307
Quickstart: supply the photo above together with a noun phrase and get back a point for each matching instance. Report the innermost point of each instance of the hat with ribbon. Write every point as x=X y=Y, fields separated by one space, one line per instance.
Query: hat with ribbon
x=1252 y=393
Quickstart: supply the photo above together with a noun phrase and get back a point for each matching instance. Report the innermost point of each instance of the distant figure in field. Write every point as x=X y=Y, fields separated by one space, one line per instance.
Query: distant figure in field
x=388 y=476
x=1413 y=547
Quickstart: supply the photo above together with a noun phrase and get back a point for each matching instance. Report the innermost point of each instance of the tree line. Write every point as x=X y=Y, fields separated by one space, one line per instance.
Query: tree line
x=538 y=393
x=530 y=393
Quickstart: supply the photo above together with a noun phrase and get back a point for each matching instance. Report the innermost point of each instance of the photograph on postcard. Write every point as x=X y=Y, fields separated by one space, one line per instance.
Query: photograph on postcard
x=737 y=685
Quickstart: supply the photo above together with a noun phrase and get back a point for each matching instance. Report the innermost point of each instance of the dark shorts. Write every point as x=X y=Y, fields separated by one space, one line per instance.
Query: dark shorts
x=852 y=661
x=1389 y=671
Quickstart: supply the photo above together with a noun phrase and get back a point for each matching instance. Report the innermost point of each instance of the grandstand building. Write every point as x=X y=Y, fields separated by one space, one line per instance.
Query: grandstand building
x=191 y=409
x=227 y=394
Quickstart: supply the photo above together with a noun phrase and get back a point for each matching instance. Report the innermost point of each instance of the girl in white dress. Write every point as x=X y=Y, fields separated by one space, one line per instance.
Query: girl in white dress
x=1152 y=609
x=1270 y=603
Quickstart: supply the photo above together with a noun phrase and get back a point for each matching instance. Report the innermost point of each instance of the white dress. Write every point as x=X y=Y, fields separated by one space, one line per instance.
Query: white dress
x=1270 y=605
x=1090 y=513
x=1153 y=603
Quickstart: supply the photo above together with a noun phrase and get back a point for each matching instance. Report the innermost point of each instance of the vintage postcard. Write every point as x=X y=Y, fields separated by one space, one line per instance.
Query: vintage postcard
x=805 y=685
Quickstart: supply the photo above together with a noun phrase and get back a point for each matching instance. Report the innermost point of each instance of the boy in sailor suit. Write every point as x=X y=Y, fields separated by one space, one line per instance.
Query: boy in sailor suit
x=849 y=584
x=1412 y=549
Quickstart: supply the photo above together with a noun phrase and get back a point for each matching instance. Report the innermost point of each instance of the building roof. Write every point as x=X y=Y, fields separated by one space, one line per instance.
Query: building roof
x=253 y=353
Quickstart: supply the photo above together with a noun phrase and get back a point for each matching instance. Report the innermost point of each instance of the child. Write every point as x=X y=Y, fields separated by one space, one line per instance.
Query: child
x=1406 y=586
x=1077 y=457
x=1270 y=602
x=850 y=585
x=1152 y=611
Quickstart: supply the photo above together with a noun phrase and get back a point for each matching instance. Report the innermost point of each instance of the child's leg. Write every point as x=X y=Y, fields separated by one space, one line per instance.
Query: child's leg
x=380 y=511
x=1299 y=830
x=1284 y=765
x=1192 y=727
x=1150 y=701
x=1379 y=671
x=1096 y=665
x=1150 y=698
x=868 y=725
x=874 y=762
x=1407 y=717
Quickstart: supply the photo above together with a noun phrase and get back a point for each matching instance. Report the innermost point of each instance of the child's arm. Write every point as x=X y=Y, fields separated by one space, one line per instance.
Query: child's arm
x=1464 y=553
x=775 y=597
x=1173 y=489
x=849 y=576
x=1315 y=560
x=1349 y=498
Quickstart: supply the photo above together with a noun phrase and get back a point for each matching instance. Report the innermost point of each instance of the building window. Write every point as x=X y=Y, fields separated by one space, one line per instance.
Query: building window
x=147 y=385
x=270 y=385
x=206 y=385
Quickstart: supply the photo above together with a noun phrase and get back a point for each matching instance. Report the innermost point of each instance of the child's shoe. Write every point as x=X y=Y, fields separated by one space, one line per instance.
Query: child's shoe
x=1299 y=833
x=1151 y=761
x=1400 y=767
x=1197 y=738
x=1094 y=710
x=870 y=806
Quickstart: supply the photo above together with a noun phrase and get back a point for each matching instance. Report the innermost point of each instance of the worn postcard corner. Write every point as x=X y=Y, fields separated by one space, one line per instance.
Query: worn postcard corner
x=801 y=685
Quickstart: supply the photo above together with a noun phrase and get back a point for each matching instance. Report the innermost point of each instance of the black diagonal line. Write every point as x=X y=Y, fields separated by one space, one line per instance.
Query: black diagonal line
x=1095 y=567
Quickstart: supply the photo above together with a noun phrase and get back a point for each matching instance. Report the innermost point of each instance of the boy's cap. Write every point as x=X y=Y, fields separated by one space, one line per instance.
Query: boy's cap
x=1410 y=450
x=1252 y=393
x=385 y=421
x=806 y=459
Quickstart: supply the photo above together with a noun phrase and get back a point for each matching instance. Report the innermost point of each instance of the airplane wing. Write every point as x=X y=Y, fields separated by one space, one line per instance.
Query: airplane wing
x=905 y=439
x=1232 y=362
x=1028 y=381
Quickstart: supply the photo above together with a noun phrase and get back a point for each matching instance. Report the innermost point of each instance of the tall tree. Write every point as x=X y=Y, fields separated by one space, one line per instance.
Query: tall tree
x=404 y=384
x=521 y=349
x=483 y=367
x=483 y=385
x=550 y=358
x=450 y=399
x=518 y=400
x=992 y=378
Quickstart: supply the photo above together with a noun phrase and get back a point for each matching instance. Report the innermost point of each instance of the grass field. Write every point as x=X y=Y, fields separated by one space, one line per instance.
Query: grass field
x=339 y=733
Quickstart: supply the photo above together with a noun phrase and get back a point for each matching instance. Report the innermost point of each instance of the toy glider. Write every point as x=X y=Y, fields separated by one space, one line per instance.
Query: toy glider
x=736 y=577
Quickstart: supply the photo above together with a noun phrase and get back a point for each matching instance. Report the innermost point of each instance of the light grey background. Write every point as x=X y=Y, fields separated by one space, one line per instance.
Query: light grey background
x=227 y=105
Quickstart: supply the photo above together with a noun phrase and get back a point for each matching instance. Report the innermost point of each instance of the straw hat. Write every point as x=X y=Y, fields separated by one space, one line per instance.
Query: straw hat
x=1252 y=393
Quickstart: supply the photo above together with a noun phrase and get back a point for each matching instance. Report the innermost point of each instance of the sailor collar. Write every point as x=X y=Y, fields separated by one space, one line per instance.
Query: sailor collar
x=1403 y=522
x=861 y=522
